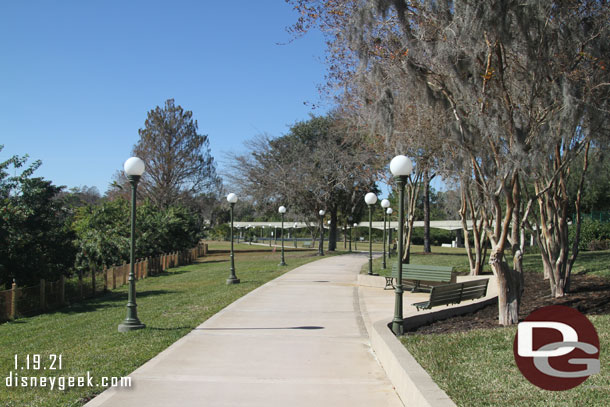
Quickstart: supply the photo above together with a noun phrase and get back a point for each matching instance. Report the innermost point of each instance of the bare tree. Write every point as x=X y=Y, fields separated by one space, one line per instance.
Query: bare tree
x=179 y=165
x=515 y=80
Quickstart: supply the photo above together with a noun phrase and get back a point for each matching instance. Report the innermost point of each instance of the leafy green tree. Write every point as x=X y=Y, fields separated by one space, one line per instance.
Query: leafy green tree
x=103 y=232
x=35 y=238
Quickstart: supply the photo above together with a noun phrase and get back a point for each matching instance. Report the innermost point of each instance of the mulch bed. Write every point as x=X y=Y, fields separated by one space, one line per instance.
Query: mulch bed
x=589 y=295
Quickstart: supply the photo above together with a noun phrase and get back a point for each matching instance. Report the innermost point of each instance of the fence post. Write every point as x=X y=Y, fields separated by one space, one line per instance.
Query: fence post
x=13 y=313
x=205 y=249
x=93 y=282
x=43 y=289
x=105 y=279
x=124 y=273
x=113 y=277
x=62 y=289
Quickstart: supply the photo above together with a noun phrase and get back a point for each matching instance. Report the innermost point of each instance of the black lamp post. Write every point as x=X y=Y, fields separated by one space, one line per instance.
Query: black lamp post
x=294 y=234
x=401 y=168
x=282 y=211
x=134 y=168
x=232 y=198
x=321 y=247
x=370 y=200
x=385 y=204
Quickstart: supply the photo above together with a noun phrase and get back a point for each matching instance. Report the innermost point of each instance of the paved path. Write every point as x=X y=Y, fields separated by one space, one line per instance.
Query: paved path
x=299 y=340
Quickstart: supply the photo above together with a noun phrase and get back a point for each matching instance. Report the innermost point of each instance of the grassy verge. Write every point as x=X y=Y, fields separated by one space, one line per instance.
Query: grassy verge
x=170 y=305
x=477 y=368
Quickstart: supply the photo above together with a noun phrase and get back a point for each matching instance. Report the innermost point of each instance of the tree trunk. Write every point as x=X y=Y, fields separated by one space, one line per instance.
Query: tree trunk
x=332 y=231
x=427 y=248
x=509 y=289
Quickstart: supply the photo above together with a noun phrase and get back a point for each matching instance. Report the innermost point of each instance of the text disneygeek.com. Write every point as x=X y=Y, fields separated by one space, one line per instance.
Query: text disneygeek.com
x=14 y=380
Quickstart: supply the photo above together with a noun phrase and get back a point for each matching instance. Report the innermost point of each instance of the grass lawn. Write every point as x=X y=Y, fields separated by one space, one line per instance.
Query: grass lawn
x=477 y=368
x=170 y=305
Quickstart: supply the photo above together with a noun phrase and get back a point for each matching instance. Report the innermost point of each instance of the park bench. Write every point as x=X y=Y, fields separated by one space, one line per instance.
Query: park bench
x=417 y=273
x=454 y=293
x=307 y=244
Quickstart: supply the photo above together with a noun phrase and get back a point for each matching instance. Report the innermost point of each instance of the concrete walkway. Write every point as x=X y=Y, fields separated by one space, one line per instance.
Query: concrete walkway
x=298 y=340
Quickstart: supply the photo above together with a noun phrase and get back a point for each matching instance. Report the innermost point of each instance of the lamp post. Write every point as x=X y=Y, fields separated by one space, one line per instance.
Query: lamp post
x=294 y=234
x=401 y=168
x=329 y=244
x=321 y=247
x=270 y=235
x=232 y=198
x=370 y=200
x=350 y=219
x=385 y=204
x=249 y=234
x=356 y=239
x=389 y=212
x=134 y=168
x=282 y=211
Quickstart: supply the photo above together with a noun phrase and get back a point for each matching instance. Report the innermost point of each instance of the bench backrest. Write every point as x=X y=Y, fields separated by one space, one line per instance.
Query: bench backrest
x=423 y=272
x=457 y=292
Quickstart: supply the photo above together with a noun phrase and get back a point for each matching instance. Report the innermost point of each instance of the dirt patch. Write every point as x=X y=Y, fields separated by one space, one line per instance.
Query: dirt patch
x=589 y=295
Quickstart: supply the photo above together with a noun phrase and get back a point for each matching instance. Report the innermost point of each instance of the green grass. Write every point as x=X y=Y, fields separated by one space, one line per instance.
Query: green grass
x=440 y=256
x=477 y=368
x=170 y=305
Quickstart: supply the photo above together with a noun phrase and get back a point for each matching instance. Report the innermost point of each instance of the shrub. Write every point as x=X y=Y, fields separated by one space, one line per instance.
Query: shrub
x=593 y=234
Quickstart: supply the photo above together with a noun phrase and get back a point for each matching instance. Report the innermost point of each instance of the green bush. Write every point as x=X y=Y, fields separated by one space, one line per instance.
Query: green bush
x=594 y=235
x=220 y=232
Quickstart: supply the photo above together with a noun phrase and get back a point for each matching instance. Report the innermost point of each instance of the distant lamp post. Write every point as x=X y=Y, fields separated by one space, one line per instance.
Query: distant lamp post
x=232 y=198
x=282 y=211
x=294 y=234
x=370 y=199
x=389 y=213
x=385 y=204
x=356 y=239
x=350 y=219
x=400 y=167
x=321 y=247
x=270 y=235
x=134 y=168
x=329 y=245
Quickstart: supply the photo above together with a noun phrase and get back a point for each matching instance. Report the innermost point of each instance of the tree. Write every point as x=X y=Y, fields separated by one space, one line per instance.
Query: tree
x=315 y=166
x=35 y=238
x=521 y=86
x=178 y=159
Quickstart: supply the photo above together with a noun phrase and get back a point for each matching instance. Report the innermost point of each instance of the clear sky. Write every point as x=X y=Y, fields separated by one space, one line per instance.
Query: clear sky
x=78 y=77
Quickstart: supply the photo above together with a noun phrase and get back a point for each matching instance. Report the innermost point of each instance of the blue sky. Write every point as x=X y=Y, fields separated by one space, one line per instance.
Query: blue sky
x=78 y=77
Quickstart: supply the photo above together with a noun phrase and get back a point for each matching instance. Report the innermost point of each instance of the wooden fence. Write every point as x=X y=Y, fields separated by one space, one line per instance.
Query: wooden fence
x=27 y=301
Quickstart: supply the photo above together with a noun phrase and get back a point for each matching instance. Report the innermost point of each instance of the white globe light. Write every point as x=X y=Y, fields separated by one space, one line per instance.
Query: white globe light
x=389 y=211
x=328 y=222
x=134 y=166
x=322 y=212
x=232 y=198
x=295 y=224
x=282 y=209
x=385 y=203
x=401 y=165
x=355 y=224
x=370 y=198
